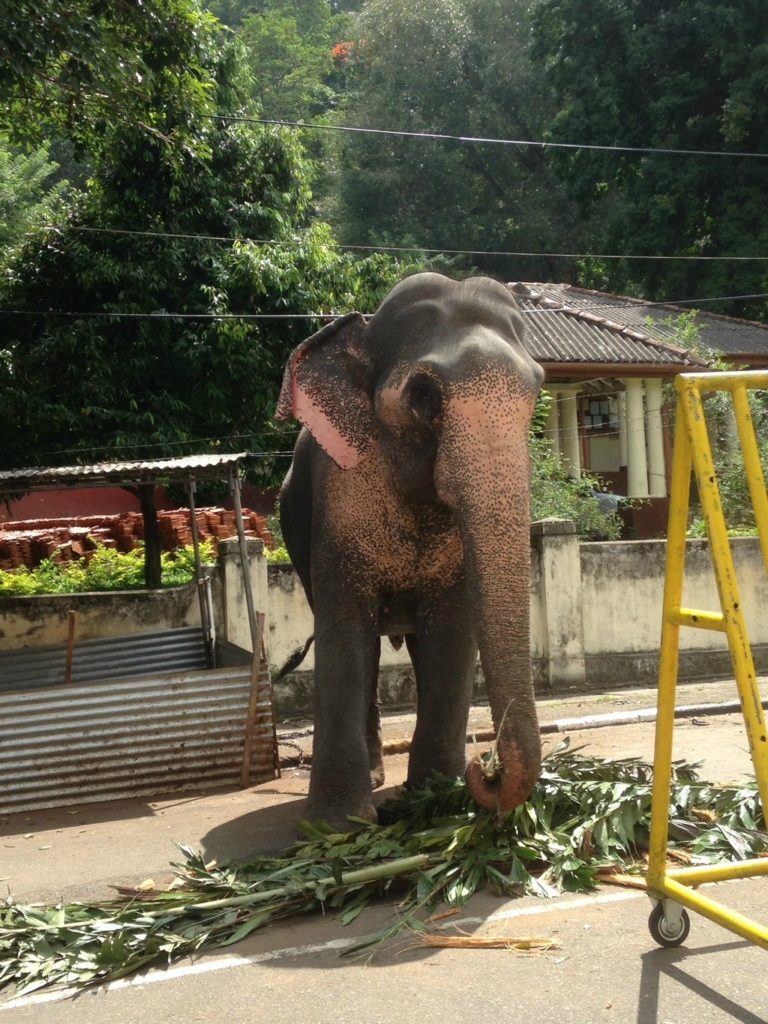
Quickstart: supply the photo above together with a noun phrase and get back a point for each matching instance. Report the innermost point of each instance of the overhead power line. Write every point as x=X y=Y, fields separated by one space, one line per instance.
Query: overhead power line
x=480 y=140
x=400 y=248
x=165 y=315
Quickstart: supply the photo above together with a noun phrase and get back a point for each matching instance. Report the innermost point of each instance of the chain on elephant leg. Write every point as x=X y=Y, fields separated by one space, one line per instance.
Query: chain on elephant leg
x=375 y=746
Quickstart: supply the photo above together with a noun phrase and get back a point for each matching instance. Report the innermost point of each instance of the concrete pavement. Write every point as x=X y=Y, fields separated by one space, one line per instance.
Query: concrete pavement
x=606 y=968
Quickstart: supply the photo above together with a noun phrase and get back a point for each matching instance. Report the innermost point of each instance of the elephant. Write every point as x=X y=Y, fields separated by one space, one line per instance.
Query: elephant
x=406 y=513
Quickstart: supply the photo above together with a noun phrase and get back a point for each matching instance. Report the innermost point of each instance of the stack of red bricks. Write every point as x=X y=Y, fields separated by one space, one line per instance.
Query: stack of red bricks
x=28 y=543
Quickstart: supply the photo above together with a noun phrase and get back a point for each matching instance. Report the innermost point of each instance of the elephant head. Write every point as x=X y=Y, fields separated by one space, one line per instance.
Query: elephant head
x=439 y=386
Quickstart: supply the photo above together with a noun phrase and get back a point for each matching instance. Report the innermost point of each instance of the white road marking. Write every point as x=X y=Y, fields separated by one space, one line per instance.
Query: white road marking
x=155 y=975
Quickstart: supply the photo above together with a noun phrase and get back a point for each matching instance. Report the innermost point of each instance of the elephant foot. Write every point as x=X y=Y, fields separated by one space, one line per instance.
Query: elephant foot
x=338 y=817
x=420 y=771
x=377 y=775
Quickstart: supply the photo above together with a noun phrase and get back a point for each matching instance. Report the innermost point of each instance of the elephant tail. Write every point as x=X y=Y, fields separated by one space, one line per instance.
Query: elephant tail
x=294 y=660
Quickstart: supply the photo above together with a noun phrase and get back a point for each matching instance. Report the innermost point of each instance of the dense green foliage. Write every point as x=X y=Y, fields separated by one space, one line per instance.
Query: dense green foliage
x=103 y=569
x=93 y=361
x=458 y=67
x=555 y=494
x=79 y=67
x=679 y=74
x=30 y=195
x=98 y=363
x=584 y=815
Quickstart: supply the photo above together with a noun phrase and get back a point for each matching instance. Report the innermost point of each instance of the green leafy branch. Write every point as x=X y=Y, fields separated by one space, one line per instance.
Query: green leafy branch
x=432 y=847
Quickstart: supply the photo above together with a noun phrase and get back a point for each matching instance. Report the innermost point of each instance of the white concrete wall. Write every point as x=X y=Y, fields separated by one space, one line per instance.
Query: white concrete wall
x=622 y=590
x=234 y=611
x=43 y=621
x=595 y=610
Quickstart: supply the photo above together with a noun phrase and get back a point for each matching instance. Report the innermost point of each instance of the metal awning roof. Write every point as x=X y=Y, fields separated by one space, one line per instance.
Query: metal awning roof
x=562 y=332
x=727 y=334
x=115 y=474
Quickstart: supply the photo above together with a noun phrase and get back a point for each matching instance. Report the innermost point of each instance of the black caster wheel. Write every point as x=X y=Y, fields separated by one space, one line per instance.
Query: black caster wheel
x=667 y=934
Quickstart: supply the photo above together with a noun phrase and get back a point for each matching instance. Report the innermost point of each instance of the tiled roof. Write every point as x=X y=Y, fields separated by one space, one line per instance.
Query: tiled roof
x=38 y=477
x=725 y=334
x=563 y=327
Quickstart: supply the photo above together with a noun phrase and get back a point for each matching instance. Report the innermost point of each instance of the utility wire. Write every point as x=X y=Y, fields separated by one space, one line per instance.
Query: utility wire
x=171 y=316
x=164 y=315
x=398 y=248
x=582 y=431
x=480 y=140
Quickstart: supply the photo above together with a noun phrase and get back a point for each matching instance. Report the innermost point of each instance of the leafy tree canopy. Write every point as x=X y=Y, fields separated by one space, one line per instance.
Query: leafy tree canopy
x=681 y=74
x=79 y=66
x=29 y=195
x=291 y=68
x=309 y=14
x=458 y=67
x=93 y=361
x=76 y=375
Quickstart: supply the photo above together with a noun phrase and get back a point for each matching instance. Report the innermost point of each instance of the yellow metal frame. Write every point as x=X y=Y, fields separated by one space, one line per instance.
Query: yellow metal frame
x=693 y=451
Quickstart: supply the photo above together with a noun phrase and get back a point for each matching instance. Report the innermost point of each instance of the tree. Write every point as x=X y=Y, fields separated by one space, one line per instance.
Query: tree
x=458 y=67
x=291 y=67
x=79 y=66
x=29 y=195
x=98 y=362
x=680 y=74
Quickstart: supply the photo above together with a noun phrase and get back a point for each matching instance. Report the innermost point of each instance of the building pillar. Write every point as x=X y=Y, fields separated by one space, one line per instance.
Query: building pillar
x=657 y=477
x=551 y=428
x=569 y=432
x=621 y=401
x=637 y=464
x=237 y=624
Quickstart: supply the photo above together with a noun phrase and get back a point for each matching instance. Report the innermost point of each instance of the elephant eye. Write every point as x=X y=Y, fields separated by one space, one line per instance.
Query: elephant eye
x=425 y=398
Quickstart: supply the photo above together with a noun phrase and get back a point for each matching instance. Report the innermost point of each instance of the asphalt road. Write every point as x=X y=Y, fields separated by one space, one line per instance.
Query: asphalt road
x=604 y=965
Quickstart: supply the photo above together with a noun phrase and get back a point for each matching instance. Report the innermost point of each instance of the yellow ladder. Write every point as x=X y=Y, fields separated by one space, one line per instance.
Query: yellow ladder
x=670 y=887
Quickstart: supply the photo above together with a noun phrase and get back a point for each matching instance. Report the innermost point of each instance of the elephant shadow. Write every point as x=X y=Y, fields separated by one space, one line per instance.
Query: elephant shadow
x=270 y=831
x=265 y=831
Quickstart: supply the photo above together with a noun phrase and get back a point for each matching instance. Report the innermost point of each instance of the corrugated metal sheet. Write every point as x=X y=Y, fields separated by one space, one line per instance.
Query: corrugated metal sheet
x=114 y=472
x=106 y=658
x=155 y=734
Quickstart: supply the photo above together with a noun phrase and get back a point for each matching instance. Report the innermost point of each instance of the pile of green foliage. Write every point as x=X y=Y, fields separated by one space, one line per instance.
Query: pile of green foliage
x=102 y=569
x=434 y=847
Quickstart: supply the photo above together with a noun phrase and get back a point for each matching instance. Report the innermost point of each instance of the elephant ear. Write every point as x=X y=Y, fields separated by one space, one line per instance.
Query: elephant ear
x=323 y=389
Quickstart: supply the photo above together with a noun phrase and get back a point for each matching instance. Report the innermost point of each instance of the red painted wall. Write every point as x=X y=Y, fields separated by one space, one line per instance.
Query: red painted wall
x=97 y=501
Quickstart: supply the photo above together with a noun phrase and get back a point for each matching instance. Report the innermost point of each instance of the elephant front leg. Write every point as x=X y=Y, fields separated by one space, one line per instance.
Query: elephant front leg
x=373 y=728
x=444 y=655
x=346 y=663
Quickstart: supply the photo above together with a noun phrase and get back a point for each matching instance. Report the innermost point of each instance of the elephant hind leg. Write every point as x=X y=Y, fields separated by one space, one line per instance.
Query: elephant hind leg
x=373 y=729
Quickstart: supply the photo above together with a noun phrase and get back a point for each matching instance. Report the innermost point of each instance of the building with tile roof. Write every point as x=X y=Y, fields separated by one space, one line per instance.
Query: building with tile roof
x=606 y=359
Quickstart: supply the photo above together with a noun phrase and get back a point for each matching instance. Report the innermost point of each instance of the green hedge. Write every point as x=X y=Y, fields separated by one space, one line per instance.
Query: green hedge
x=105 y=569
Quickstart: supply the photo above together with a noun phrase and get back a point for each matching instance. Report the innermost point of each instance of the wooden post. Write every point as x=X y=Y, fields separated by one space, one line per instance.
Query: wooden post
x=206 y=619
x=234 y=484
x=70 y=647
x=257 y=662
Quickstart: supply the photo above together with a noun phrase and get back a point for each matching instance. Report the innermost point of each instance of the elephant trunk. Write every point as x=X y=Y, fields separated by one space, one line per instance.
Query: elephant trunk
x=483 y=473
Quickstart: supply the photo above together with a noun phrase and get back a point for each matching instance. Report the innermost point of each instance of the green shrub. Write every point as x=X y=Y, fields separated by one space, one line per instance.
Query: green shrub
x=698 y=528
x=555 y=494
x=278 y=554
x=105 y=569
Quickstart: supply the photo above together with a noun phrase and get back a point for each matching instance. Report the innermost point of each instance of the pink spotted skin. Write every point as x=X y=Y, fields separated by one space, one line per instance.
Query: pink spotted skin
x=406 y=513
